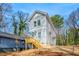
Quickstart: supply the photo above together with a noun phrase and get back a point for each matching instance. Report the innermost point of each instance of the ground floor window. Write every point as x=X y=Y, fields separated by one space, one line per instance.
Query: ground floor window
x=39 y=35
x=34 y=34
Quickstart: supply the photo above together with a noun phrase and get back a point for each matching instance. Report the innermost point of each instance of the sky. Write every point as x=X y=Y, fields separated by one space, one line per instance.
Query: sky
x=63 y=9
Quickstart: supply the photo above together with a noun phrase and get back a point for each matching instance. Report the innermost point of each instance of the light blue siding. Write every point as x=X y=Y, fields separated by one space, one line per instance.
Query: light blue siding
x=11 y=43
x=7 y=43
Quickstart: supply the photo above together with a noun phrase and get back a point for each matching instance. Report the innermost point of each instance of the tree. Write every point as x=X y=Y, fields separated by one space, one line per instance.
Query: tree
x=69 y=37
x=19 y=22
x=5 y=9
x=57 y=20
x=22 y=22
x=14 y=24
x=73 y=23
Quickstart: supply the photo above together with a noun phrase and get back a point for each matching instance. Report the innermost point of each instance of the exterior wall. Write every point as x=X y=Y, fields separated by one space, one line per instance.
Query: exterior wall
x=7 y=43
x=51 y=36
x=10 y=43
x=41 y=28
x=45 y=28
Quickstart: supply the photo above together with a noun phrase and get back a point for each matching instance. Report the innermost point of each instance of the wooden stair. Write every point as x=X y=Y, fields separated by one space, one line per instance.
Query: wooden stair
x=33 y=41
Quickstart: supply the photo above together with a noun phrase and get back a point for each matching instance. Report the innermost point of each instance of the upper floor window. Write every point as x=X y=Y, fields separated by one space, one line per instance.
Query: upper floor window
x=34 y=23
x=39 y=23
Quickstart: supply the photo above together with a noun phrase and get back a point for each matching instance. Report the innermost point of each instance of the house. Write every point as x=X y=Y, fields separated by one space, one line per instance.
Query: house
x=10 y=42
x=41 y=28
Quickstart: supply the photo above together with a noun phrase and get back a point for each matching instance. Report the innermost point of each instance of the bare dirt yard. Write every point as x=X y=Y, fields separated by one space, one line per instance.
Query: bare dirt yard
x=48 y=51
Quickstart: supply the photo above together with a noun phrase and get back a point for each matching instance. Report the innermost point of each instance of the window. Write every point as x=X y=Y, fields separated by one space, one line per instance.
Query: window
x=34 y=34
x=39 y=35
x=49 y=33
x=34 y=23
x=53 y=38
x=39 y=23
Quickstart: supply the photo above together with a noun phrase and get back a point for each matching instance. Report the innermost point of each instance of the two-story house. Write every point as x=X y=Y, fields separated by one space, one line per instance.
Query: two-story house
x=41 y=28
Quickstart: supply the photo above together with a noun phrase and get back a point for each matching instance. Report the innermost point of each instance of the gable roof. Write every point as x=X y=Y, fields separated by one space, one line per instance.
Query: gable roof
x=36 y=12
x=47 y=16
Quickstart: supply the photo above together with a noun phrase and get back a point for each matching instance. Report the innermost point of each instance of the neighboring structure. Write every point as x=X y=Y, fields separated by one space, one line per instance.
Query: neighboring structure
x=10 y=42
x=41 y=28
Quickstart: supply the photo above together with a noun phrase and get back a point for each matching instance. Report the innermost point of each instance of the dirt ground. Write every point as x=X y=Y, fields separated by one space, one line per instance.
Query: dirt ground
x=48 y=51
